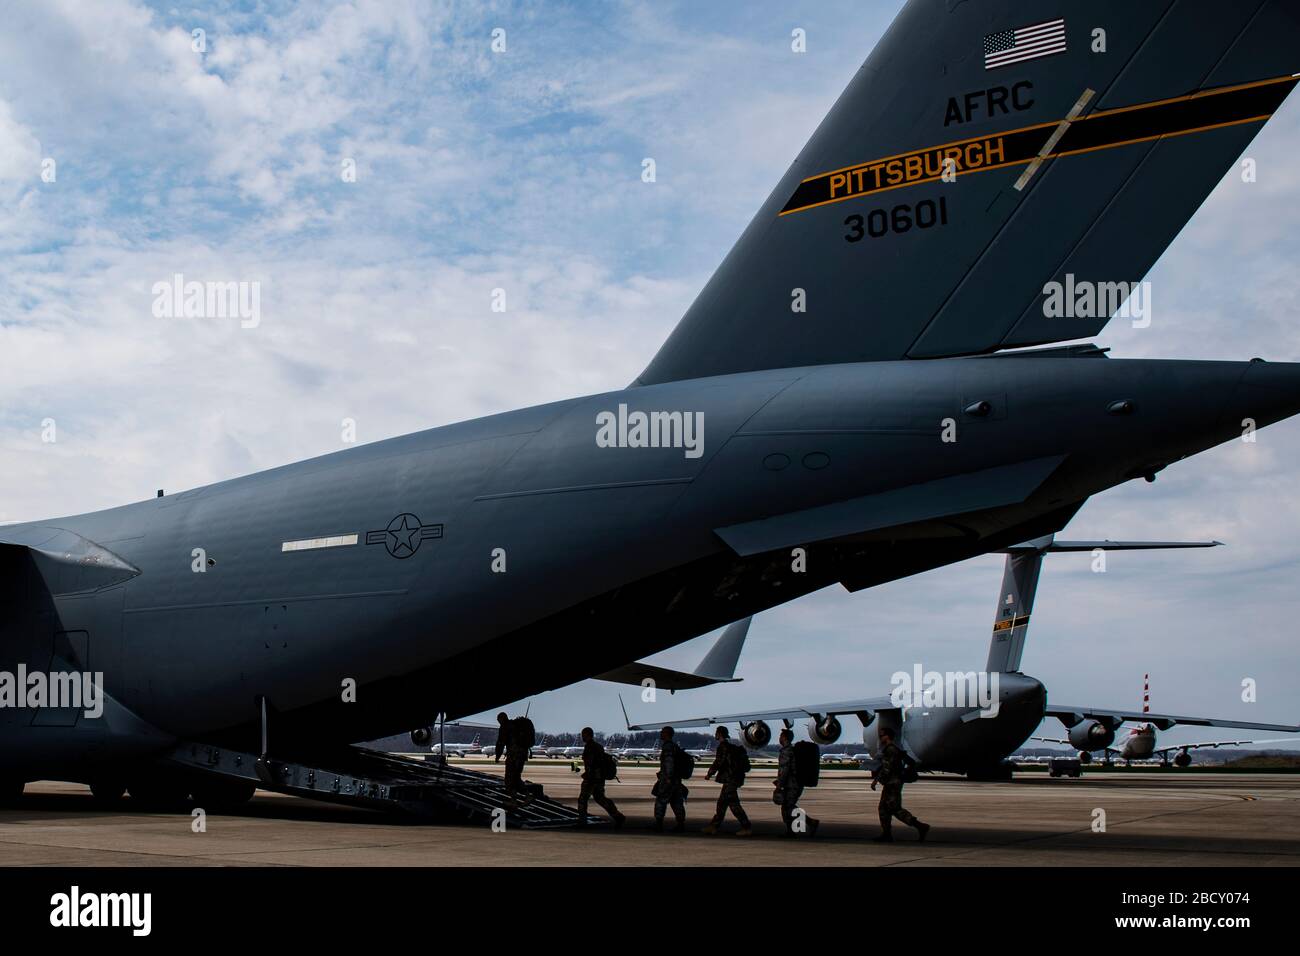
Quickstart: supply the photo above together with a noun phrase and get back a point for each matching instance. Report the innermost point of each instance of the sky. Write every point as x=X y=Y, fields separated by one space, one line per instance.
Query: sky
x=226 y=155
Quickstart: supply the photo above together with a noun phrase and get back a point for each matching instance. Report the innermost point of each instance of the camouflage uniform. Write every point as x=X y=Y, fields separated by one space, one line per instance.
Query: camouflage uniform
x=787 y=785
x=729 y=797
x=668 y=790
x=890 y=778
x=593 y=783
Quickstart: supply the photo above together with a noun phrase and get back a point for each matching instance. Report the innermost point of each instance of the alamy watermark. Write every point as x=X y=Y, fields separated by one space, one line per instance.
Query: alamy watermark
x=74 y=908
x=921 y=688
x=70 y=690
x=178 y=298
x=1098 y=300
x=639 y=429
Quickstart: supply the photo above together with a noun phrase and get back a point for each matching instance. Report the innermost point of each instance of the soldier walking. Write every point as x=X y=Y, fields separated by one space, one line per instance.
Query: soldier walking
x=595 y=762
x=890 y=777
x=729 y=765
x=669 y=791
x=788 y=789
x=516 y=738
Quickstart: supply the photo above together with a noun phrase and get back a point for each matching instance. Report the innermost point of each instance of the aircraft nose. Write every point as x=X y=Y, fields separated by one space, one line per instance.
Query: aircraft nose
x=1268 y=392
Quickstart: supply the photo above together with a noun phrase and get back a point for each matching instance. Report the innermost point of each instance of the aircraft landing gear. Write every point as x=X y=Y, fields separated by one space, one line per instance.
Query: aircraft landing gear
x=175 y=792
x=219 y=794
x=160 y=793
x=1000 y=773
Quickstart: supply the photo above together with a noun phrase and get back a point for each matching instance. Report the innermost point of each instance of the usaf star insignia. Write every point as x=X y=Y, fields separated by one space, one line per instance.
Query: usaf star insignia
x=403 y=535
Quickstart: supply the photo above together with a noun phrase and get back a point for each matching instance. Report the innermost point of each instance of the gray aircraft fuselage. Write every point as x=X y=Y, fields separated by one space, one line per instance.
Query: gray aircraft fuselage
x=610 y=553
x=951 y=739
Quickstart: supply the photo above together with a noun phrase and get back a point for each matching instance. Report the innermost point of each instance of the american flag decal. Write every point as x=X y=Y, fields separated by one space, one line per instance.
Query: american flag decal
x=1024 y=43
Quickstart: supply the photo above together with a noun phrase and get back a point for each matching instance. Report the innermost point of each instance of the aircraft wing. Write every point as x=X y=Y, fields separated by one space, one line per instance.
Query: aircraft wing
x=1047 y=545
x=865 y=705
x=717 y=667
x=1220 y=743
x=1058 y=740
x=66 y=562
x=471 y=725
x=637 y=673
x=1072 y=715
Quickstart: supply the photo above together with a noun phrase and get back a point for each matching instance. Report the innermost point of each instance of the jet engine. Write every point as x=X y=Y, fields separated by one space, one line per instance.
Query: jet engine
x=1182 y=759
x=824 y=731
x=871 y=733
x=1091 y=735
x=756 y=734
x=422 y=736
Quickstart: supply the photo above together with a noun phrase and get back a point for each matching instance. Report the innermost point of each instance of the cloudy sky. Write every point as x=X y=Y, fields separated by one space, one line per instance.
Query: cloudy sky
x=521 y=171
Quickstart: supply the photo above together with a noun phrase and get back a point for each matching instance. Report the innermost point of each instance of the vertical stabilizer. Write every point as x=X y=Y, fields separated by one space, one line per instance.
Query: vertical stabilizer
x=1020 y=583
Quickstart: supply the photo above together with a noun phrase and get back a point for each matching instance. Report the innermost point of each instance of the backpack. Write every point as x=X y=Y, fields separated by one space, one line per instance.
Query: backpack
x=807 y=763
x=683 y=764
x=608 y=765
x=740 y=764
x=523 y=735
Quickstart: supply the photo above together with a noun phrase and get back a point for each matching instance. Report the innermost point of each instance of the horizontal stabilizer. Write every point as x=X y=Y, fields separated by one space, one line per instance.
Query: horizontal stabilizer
x=957 y=494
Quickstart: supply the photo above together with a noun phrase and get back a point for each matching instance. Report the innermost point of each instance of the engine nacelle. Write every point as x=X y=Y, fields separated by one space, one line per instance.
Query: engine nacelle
x=756 y=735
x=824 y=731
x=422 y=736
x=1182 y=759
x=1091 y=735
x=871 y=734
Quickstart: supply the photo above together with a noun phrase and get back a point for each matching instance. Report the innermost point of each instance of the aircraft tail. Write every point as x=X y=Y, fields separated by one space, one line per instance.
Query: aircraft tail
x=982 y=152
x=1020 y=584
x=1015 y=602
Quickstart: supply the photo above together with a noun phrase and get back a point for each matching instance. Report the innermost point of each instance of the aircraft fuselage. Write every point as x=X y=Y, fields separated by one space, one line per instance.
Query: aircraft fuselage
x=469 y=565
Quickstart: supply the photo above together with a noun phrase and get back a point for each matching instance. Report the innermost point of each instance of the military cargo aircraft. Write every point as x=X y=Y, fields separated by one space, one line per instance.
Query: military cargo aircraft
x=871 y=385
x=974 y=736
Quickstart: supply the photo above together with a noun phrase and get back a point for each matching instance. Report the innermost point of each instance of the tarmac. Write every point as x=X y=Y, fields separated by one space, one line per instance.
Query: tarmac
x=1155 y=818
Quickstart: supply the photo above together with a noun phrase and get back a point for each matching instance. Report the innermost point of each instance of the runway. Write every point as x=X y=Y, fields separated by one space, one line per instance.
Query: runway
x=1151 y=819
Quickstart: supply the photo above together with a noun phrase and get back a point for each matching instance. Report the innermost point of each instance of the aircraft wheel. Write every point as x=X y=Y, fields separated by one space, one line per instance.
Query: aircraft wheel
x=159 y=794
x=107 y=792
x=11 y=791
x=221 y=794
